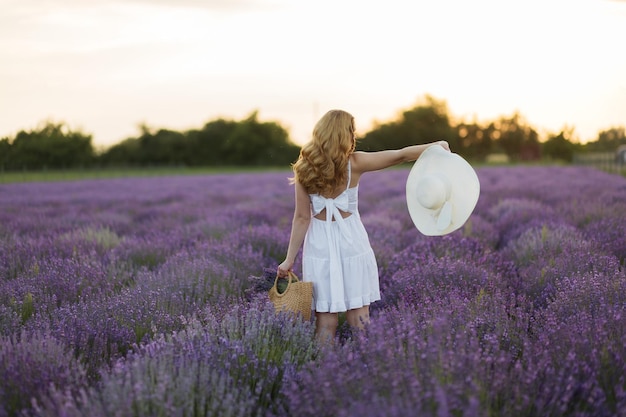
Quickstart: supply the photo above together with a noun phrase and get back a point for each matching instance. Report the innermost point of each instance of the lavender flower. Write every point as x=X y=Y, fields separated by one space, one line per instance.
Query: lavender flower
x=148 y=296
x=31 y=364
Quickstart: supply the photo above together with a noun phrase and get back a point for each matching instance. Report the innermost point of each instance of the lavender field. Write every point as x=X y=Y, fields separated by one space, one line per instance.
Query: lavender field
x=147 y=297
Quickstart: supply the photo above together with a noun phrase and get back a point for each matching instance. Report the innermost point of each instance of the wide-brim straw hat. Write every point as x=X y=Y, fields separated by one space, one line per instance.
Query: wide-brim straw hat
x=441 y=191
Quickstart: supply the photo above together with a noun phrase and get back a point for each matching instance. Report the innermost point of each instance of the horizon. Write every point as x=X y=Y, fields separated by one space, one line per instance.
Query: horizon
x=109 y=66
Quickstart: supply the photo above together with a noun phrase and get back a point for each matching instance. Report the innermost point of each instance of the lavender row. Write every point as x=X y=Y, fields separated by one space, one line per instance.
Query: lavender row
x=148 y=297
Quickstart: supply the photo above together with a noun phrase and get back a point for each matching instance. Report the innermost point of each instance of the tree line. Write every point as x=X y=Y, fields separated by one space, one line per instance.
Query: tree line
x=251 y=142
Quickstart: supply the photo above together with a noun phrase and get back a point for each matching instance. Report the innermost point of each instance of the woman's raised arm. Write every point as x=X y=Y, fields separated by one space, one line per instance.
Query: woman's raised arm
x=374 y=161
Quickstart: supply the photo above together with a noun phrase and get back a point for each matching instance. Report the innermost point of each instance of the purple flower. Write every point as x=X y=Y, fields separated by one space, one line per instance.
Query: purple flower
x=148 y=296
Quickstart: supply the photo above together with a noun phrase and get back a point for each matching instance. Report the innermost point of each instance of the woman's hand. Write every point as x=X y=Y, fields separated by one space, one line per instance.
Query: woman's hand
x=284 y=268
x=444 y=145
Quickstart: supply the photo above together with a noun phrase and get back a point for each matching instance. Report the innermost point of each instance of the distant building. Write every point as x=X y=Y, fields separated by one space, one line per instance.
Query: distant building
x=620 y=155
x=497 y=158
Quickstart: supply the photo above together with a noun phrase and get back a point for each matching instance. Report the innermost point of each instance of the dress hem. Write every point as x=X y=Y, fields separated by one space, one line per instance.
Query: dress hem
x=342 y=307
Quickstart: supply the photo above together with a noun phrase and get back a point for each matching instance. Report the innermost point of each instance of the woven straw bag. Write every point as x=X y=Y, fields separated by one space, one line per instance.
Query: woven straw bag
x=297 y=297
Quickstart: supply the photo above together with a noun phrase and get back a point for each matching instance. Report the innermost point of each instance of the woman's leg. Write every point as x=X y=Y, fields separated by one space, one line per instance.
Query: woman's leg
x=358 y=317
x=326 y=326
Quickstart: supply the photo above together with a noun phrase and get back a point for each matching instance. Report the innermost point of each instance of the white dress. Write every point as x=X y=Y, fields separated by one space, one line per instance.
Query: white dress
x=337 y=256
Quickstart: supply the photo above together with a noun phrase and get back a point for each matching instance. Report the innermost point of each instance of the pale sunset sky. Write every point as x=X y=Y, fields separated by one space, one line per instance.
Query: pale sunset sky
x=107 y=66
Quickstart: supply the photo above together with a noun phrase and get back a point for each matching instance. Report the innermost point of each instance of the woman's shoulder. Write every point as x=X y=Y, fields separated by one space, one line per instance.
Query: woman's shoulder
x=360 y=161
x=356 y=159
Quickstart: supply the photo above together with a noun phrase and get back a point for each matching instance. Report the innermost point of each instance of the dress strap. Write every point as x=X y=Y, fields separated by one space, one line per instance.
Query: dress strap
x=349 y=174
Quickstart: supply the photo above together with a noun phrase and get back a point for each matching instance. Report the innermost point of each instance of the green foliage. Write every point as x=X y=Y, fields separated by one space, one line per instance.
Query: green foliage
x=5 y=152
x=254 y=143
x=28 y=307
x=426 y=122
x=162 y=148
x=52 y=146
x=608 y=140
x=517 y=138
x=219 y=143
x=102 y=238
x=558 y=147
x=475 y=141
x=429 y=121
x=126 y=153
x=251 y=142
x=207 y=144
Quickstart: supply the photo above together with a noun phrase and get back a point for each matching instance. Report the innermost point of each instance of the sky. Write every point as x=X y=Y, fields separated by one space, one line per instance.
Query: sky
x=108 y=66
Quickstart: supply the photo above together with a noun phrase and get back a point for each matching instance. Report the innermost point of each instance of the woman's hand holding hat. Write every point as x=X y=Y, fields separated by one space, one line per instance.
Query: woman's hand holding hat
x=443 y=144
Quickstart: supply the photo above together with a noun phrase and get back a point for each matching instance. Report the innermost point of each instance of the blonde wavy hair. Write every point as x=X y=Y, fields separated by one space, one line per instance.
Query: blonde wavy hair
x=323 y=162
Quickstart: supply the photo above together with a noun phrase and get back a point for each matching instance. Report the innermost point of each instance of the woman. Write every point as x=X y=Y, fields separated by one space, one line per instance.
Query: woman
x=337 y=255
